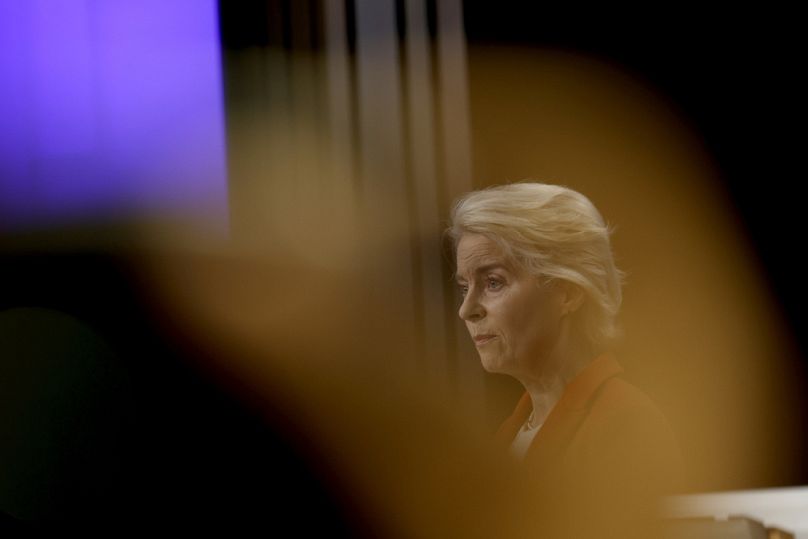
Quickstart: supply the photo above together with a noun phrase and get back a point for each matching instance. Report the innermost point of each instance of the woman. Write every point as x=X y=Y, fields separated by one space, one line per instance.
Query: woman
x=541 y=293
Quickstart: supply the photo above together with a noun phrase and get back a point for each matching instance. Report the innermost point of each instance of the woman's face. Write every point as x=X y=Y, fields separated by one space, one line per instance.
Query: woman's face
x=514 y=319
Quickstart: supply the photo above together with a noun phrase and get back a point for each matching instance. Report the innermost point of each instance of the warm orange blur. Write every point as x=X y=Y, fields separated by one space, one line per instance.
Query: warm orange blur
x=312 y=304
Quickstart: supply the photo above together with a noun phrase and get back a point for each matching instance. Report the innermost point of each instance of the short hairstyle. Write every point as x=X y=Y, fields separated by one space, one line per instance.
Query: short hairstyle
x=550 y=231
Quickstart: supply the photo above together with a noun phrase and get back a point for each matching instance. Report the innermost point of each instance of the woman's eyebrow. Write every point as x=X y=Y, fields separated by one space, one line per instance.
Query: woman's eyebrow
x=489 y=267
x=482 y=269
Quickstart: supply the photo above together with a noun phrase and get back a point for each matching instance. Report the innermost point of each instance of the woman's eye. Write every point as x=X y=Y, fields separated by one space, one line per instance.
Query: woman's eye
x=463 y=290
x=494 y=284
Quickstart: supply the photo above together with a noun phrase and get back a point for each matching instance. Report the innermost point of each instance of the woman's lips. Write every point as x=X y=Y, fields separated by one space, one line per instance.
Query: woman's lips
x=480 y=340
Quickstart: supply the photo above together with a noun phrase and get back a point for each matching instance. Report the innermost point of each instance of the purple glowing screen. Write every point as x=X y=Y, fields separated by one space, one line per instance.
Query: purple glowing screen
x=110 y=109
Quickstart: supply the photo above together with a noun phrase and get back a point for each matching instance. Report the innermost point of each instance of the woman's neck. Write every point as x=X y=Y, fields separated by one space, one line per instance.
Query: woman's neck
x=566 y=361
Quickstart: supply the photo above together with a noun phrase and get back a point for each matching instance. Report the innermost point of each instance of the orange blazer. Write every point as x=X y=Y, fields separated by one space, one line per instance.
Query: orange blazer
x=605 y=446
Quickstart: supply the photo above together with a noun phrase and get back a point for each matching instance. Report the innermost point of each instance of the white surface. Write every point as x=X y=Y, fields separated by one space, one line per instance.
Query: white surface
x=784 y=508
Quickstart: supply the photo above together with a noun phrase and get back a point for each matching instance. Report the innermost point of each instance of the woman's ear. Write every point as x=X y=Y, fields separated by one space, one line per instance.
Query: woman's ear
x=572 y=297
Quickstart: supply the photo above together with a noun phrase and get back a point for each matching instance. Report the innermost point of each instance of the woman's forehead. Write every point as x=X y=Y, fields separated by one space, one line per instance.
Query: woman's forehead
x=475 y=251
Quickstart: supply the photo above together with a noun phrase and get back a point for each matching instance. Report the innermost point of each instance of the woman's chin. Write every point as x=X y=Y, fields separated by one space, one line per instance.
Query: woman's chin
x=494 y=365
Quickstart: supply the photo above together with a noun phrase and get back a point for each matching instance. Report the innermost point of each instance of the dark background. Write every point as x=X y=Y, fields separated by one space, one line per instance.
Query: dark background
x=733 y=74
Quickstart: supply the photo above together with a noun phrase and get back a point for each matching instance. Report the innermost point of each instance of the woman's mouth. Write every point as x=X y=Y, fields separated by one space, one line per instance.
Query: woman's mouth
x=480 y=340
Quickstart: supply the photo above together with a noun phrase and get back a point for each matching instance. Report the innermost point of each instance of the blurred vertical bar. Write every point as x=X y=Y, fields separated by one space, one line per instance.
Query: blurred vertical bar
x=381 y=169
x=304 y=99
x=456 y=135
x=339 y=185
x=279 y=152
x=455 y=143
x=427 y=215
x=245 y=42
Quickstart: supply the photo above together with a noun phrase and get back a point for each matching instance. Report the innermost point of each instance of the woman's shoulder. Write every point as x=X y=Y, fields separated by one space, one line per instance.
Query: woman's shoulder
x=621 y=404
x=625 y=422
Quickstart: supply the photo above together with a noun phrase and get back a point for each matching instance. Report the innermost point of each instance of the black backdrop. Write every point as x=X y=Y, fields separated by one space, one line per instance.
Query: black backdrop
x=735 y=76
x=734 y=73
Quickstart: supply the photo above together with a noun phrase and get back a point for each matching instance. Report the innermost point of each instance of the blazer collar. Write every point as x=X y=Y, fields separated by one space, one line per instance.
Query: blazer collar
x=571 y=407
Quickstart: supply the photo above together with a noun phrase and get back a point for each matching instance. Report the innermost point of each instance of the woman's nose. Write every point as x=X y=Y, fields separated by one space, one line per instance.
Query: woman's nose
x=471 y=309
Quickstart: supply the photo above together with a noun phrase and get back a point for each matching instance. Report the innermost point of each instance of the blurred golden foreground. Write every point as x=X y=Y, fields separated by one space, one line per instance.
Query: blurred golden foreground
x=408 y=457
x=310 y=306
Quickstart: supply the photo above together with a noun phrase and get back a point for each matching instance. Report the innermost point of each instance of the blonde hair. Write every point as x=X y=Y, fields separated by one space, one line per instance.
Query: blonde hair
x=550 y=231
